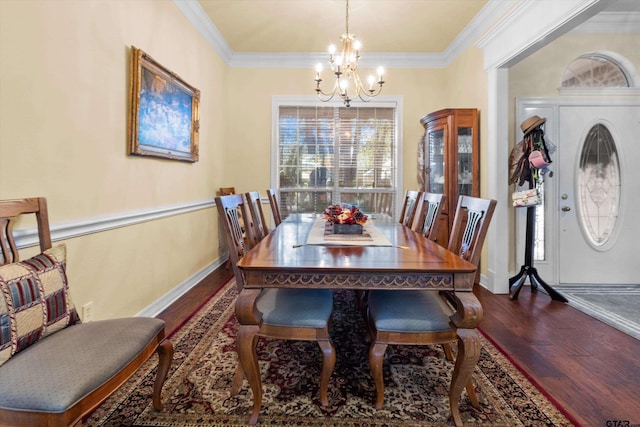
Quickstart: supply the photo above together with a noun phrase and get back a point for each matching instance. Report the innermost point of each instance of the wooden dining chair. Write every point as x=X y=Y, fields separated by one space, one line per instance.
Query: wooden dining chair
x=383 y=203
x=411 y=200
x=257 y=222
x=288 y=314
x=416 y=317
x=275 y=206
x=227 y=191
x=60 y=369
x=428 y=214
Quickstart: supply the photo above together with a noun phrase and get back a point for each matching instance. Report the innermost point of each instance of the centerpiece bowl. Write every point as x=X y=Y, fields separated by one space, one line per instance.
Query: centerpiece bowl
x=345 y=219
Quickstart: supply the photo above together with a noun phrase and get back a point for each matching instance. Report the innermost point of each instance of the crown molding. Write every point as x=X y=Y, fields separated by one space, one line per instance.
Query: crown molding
x=479 y=25
x=611 y=23
x=309 y=60
x=487 y=27
x=200 y=20
x=515 y=38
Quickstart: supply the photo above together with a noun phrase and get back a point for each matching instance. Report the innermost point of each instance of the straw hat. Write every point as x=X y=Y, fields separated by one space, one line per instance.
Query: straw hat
x=531 y=123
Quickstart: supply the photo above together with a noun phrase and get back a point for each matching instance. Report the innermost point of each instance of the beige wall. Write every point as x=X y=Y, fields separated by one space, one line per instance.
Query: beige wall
x=249 y=131
x=63 y=118
x=467 y=86
x=422 y=91
x=541 y=73
x=63 y=127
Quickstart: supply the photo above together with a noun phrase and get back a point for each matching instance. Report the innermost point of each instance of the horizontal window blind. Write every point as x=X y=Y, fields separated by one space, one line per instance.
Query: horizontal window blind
x=330 y=155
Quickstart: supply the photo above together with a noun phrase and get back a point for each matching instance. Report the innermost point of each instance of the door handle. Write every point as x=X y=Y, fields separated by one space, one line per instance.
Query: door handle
x=566 y=209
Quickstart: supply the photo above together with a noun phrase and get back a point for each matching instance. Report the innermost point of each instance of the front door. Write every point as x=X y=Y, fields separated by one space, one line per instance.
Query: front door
x=598 y=194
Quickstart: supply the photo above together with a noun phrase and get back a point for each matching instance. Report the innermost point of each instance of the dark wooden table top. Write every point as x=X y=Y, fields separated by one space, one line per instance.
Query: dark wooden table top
x=285 y=250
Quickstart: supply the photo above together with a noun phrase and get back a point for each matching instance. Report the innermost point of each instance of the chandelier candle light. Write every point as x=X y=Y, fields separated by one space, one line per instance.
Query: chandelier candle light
x=344 y=66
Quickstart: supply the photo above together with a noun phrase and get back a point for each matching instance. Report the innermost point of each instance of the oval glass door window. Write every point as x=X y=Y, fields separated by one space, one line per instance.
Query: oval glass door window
x=598 y=186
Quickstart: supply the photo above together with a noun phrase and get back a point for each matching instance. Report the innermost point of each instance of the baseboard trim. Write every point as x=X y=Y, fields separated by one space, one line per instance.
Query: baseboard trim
x=159 y=305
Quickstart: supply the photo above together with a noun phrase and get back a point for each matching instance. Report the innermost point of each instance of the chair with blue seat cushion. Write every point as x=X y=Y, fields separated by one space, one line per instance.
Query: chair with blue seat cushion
x=289 y=314
x=54 y=370
x=415 y=317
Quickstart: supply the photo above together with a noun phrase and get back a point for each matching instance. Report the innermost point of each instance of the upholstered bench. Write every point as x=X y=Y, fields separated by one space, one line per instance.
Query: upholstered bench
x=62 y=369
x=54 y=370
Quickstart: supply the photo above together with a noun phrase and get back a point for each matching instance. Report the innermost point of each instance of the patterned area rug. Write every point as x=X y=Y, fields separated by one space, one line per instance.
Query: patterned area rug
x=416 y=381
x=615 y=305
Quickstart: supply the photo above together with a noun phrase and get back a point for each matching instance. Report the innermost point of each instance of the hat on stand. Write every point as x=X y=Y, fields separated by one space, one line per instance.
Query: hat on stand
x=531 y=123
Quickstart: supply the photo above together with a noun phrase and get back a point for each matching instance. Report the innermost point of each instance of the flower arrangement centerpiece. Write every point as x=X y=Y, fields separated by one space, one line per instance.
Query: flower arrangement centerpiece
x=345 y=219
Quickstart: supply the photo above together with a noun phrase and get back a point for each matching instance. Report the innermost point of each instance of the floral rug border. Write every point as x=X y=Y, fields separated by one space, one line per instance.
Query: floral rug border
x=506 y=395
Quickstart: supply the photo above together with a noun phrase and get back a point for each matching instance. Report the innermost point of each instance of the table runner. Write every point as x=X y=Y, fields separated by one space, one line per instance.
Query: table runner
x=322 y=234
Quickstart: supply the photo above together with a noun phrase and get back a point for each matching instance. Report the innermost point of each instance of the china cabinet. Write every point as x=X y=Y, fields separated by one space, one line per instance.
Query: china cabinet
x=450 y=153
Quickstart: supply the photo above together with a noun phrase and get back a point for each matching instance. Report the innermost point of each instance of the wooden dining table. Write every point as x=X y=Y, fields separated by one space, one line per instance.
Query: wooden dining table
x=284 y=259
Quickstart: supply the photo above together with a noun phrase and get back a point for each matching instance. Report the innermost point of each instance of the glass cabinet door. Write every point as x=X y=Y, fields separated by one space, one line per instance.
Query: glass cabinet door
x=449 y=163
x=436 y=168
x=465 y=161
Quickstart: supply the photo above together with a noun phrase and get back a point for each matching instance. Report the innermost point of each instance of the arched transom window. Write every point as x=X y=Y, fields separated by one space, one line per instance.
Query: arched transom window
x=594 y=70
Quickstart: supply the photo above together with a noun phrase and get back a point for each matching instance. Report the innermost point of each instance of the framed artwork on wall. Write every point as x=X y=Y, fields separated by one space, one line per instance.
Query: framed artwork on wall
x=163 y=115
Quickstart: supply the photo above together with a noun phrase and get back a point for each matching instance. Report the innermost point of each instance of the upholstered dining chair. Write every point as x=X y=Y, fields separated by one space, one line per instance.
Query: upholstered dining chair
x=411 y=200
x=417 y=317
x=288 y=314
x=428 y=214
x=275 y=206
x=258 y=223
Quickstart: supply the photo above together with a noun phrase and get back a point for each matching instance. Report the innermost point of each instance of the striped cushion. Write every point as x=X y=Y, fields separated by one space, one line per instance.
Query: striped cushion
x=34 y=301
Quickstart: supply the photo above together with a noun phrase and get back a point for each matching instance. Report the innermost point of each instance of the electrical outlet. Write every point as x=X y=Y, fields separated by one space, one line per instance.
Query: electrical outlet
x=87 y=312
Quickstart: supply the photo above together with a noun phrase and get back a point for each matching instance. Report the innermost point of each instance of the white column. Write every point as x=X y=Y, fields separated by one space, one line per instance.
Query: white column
x=499 y=237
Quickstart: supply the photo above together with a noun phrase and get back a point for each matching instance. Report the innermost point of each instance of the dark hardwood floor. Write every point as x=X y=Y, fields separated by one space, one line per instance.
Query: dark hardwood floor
x=591 y=369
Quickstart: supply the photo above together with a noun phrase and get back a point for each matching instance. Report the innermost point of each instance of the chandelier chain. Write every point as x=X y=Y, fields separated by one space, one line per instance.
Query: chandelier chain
x=347 y=19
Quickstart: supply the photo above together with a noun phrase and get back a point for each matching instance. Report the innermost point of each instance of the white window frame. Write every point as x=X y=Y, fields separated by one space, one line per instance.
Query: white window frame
x=312 y=101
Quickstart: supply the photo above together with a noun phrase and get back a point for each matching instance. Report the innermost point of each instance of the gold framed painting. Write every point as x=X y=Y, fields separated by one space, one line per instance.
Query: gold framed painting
x=163 y=117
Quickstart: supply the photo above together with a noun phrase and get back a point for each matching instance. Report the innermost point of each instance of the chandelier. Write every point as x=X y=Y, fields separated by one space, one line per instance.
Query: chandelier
x=344 y=66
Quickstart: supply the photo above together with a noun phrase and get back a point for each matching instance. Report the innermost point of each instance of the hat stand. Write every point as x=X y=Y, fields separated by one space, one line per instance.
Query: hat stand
x=528 y=270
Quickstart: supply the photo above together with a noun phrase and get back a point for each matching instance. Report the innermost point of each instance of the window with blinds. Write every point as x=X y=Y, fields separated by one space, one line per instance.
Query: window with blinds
x=330 y=155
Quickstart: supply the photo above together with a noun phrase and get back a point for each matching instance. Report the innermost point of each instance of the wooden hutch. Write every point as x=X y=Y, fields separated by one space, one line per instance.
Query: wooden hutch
x=451 y=159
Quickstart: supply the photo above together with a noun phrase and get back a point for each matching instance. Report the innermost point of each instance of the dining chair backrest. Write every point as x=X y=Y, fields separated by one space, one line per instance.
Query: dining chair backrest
x=227 y=191
x=383 y=203
x=257 y=221
x=275 y=206
x=231 y=209
x=10 y=210
x=408 y=213
x=470 y=225
x=428 y=220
